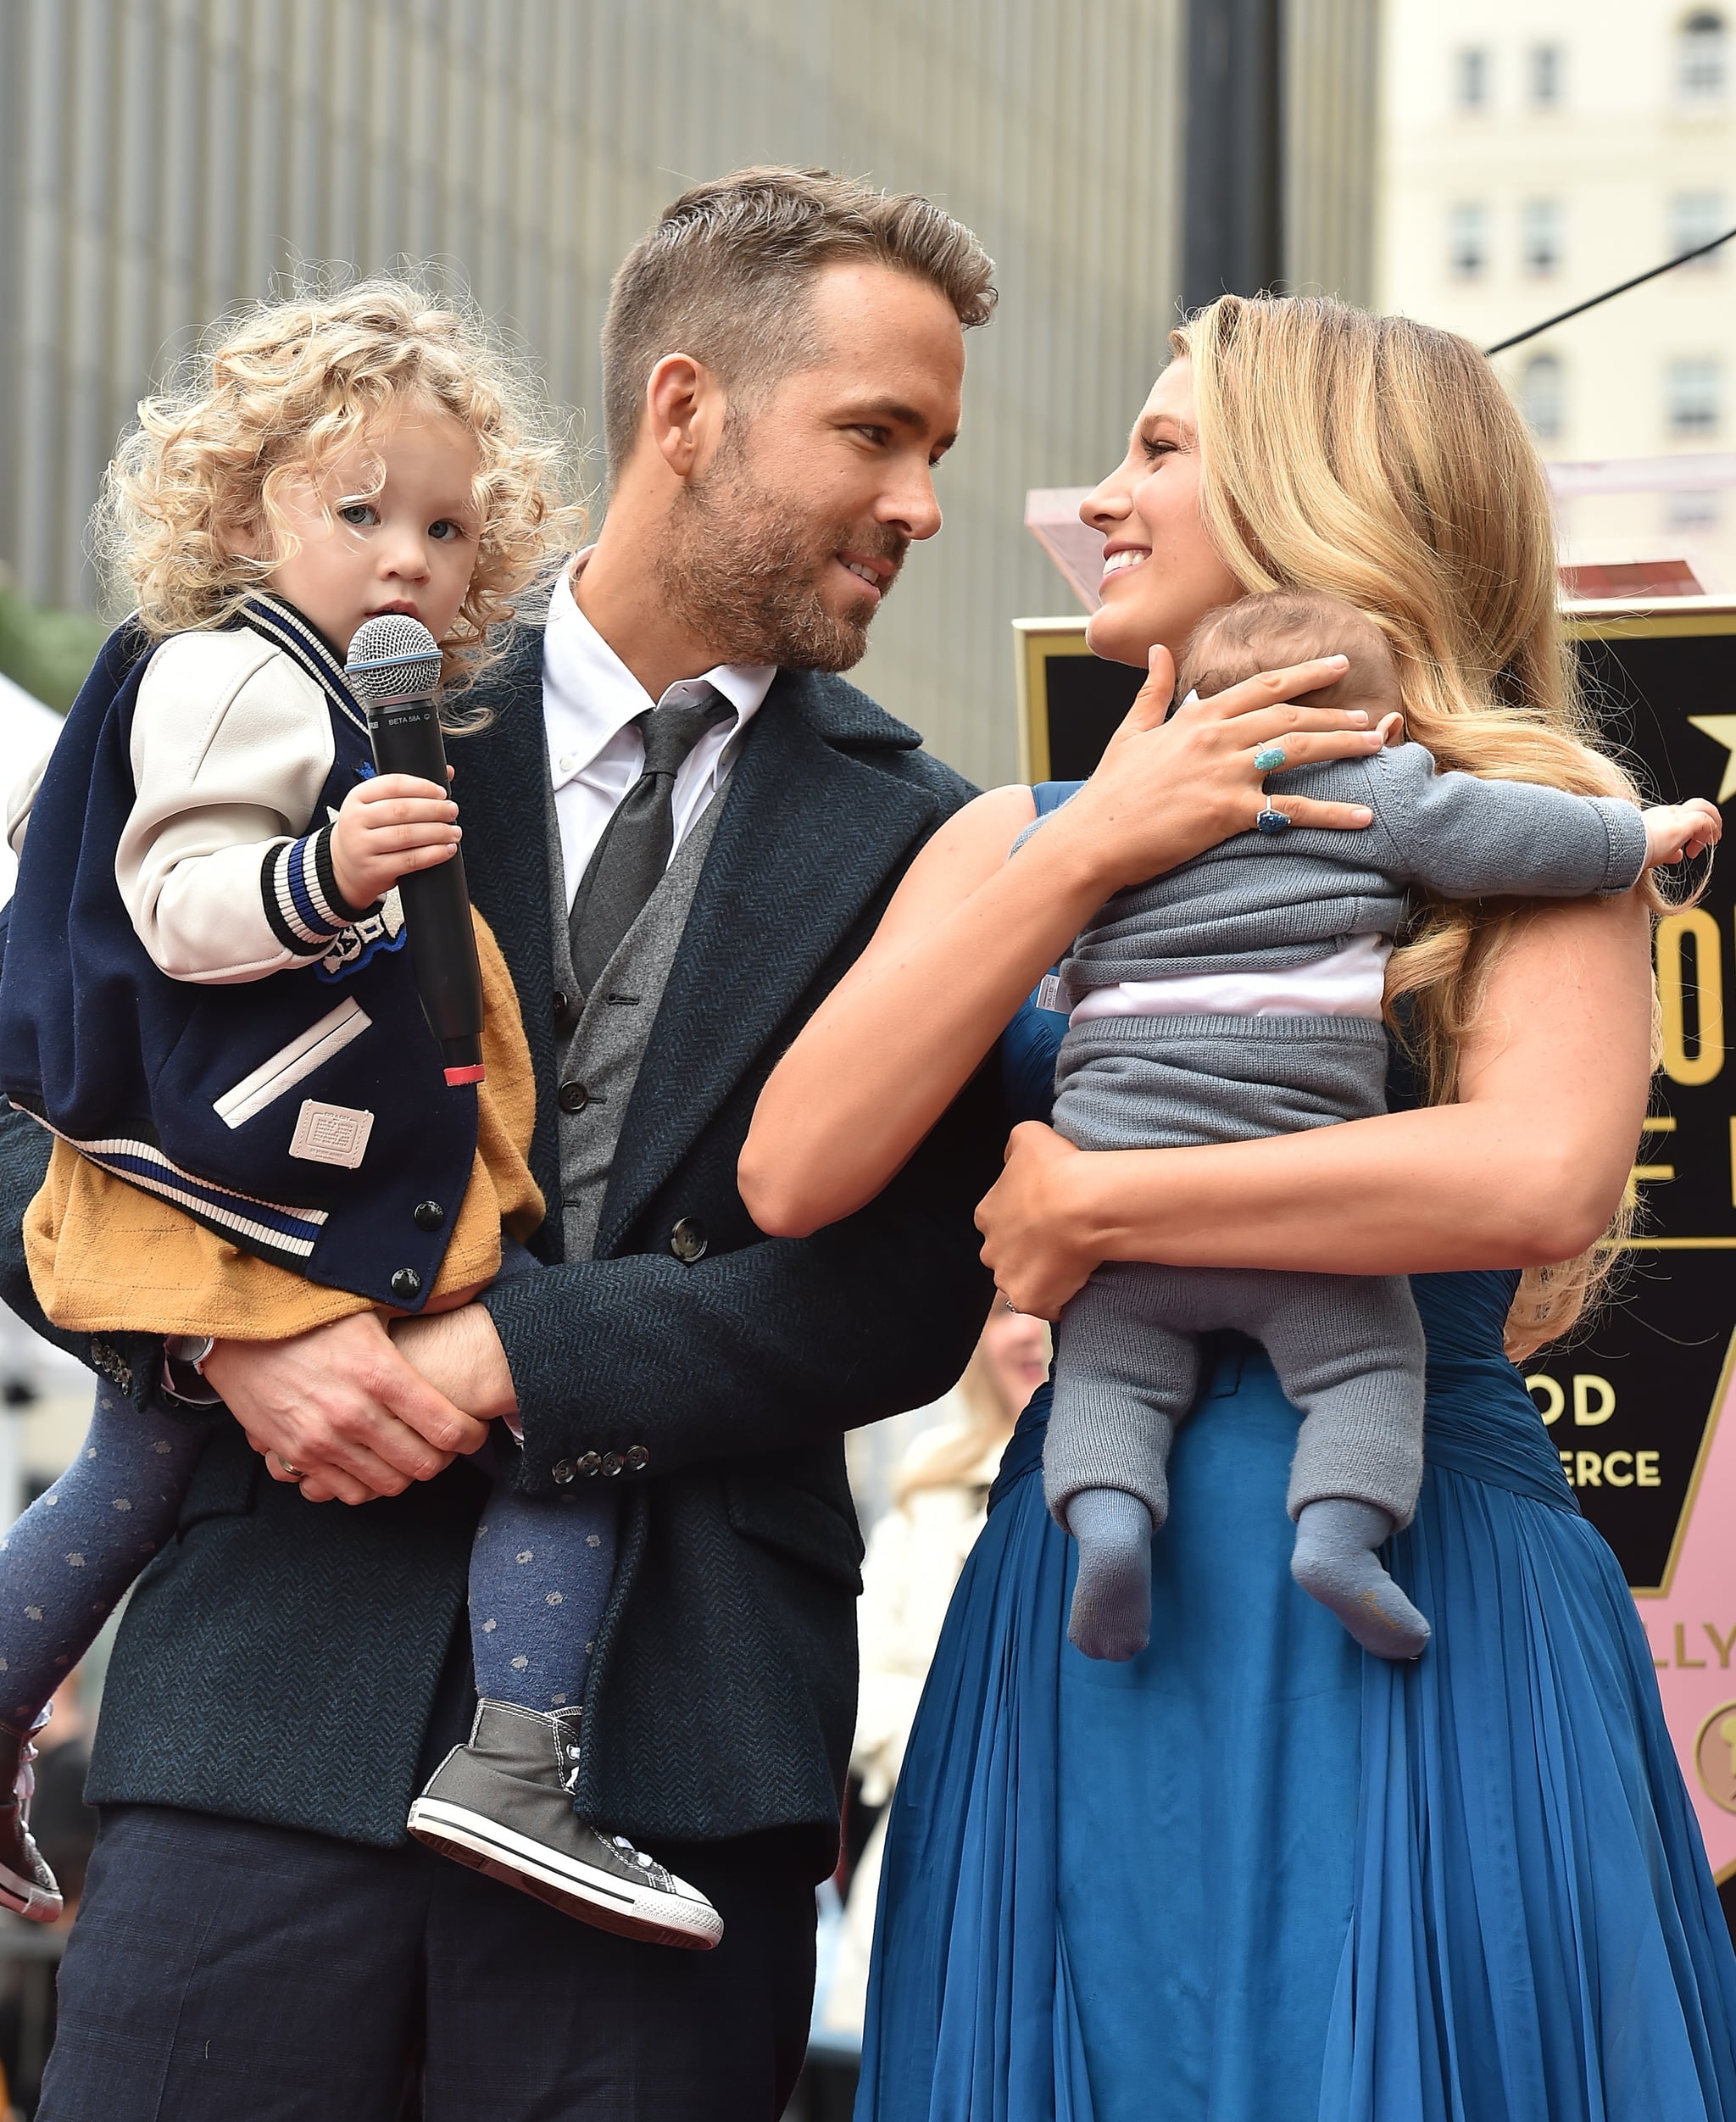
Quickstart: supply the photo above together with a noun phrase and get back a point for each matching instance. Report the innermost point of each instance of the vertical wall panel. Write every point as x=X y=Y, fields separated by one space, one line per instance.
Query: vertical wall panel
x=163 y=159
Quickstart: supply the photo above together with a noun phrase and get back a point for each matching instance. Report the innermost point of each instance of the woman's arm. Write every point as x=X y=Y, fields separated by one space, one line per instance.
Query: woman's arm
x=969 y=934
x=1527 y=1169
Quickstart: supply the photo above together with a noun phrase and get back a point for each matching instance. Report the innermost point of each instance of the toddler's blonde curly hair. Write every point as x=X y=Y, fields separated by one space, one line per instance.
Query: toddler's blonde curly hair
x=283 y=389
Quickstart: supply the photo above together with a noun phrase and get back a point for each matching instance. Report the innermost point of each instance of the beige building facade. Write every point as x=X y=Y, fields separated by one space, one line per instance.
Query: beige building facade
x=1537 y=151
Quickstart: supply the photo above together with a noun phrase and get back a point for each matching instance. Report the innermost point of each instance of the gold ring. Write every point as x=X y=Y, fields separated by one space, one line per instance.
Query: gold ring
x=294 y=1474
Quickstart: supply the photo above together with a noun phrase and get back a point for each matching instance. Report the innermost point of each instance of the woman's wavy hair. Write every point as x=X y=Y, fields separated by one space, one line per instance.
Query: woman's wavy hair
x=1381 y=461
x=282 y=389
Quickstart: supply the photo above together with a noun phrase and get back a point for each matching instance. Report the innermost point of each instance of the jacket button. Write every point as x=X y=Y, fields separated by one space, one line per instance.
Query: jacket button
x=573 y=1097
x=407 y=1283
x=589 y=1464
x=687 y=1241
x=428 y=1215
x=637 y=1459
x=611 y=1464
x=564 y=1472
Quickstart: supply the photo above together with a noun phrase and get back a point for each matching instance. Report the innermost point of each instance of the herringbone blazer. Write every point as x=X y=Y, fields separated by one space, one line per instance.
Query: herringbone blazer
x=280 y=1661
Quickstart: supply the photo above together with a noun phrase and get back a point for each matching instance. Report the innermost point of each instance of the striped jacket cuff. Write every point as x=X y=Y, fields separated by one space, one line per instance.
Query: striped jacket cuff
x=299 y=887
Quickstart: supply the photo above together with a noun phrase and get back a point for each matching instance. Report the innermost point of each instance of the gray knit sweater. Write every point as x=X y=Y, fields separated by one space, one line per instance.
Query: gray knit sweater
x=1259 y=901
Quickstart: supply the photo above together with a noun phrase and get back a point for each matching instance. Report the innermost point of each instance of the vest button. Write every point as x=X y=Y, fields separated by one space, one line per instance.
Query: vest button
x=564 y=1472
x=637 y=1459
x=687 y=1241
x=406 y=1283
x=428 y=1215
x=566 y=1014
x=573 y=1097
x=611 y=1464
x=589 y=1463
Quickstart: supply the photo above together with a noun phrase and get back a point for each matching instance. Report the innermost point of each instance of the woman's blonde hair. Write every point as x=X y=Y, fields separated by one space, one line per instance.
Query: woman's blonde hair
x=283 y=389
x=989 y=1418
x=1381 y=461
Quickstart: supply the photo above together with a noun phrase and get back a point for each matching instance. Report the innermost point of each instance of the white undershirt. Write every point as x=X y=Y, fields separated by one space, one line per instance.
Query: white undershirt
x=590 y=701
x=1348 y=984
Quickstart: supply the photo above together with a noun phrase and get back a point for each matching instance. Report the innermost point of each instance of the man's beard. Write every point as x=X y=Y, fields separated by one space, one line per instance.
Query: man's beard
x=746 y=578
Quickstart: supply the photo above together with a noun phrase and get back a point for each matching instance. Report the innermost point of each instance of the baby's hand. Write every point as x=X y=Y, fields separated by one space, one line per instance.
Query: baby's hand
x=1674 y=830
x=386 y=828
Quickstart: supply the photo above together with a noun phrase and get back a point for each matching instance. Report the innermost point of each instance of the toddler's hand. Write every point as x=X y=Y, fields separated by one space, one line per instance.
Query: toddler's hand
x=1674 y=830
x=386 y=828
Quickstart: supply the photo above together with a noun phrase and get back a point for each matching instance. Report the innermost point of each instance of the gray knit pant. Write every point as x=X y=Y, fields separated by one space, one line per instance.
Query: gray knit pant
x=1348 y=1349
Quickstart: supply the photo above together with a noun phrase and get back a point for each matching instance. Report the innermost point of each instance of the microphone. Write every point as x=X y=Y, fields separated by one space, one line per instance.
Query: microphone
x=394 y=669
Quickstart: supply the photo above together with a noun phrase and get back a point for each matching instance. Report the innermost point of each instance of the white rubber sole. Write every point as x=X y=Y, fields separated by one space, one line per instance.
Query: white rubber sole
x=593 y=1896
x=27 y=1900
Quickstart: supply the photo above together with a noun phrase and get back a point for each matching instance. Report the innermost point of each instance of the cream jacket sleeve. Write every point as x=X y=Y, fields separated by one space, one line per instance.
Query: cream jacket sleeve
x=232 y=745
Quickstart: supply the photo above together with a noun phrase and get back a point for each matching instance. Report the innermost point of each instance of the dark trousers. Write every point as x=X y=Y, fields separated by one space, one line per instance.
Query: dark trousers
x=220 y=1969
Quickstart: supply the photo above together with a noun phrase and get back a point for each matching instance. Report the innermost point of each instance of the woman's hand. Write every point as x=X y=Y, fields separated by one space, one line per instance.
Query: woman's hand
x=1032 y=1240
x=1169 y=786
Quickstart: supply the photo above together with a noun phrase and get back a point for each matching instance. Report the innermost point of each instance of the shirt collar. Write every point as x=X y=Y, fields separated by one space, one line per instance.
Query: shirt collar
x=590 y=696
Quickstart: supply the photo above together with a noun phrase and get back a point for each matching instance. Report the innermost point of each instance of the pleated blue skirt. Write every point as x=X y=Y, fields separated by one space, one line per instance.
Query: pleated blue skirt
x=1255 y=1876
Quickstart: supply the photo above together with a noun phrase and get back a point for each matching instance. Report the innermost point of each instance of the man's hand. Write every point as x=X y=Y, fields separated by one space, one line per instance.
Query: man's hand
x=340 y=1411
x=460 y=1356
x=1033 y=1238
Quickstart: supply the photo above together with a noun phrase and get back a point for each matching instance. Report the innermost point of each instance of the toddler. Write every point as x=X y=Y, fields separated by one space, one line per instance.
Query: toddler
x=1240 y=995
x=207 y=1000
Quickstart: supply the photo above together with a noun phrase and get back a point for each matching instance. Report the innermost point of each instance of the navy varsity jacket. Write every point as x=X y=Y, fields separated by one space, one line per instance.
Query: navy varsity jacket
x=303 y=1117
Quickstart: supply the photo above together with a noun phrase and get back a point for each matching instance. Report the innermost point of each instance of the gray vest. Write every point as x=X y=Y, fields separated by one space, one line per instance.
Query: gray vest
x=601 y=1063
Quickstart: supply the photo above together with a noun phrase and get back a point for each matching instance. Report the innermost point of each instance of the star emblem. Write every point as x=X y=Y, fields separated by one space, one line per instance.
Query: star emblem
x=1721 y=729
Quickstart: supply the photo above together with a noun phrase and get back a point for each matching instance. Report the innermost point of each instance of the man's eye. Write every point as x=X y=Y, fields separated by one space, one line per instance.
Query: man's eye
x=877 y=436
x=358 y=514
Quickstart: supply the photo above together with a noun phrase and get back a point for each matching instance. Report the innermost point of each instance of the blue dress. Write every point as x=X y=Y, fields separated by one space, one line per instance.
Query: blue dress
x=1252 y=1875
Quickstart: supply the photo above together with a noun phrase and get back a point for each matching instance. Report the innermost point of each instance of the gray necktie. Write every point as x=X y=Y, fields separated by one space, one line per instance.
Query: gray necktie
x=634 y=851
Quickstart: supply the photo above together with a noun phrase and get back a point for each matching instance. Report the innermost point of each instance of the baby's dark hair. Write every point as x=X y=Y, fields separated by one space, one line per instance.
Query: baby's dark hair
x=1273 y=627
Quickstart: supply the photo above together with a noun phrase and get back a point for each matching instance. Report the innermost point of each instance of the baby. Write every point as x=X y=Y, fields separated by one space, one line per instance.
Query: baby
x=207 y=1000
x=1240 y=995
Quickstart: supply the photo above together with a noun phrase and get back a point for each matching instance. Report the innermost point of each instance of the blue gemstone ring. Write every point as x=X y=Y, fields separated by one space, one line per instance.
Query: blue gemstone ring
x=1271 y=821
x=1270 y=758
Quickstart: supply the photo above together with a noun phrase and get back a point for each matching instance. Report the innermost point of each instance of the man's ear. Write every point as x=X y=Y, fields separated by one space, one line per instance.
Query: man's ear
x=1391 y=728
x=684 y=406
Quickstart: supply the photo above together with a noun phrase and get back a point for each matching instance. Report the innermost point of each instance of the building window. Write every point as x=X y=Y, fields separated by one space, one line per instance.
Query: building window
x=1541 y=397
x=1692 y=397
x=1470 y=78
x=1702 y=56
x=1693 y=510
x=1696 y=217
x=1545 y=71
x=1540 y=237
x=1468 y=243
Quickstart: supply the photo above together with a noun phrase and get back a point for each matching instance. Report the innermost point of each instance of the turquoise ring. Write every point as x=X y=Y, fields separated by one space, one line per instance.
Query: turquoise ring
x=1270 y=758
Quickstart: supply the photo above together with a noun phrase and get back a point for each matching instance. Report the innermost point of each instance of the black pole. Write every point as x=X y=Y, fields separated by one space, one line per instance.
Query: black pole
x=1232 y=202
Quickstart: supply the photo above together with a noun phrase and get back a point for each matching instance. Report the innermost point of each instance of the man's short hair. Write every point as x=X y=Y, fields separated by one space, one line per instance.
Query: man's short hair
x=726 y=274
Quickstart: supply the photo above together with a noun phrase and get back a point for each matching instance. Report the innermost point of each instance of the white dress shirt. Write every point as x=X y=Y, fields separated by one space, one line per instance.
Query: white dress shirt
x=590 y=703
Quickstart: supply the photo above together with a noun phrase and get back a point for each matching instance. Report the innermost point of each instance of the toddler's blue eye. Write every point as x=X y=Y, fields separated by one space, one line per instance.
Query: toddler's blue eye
x=446 y=529
x=355 y=513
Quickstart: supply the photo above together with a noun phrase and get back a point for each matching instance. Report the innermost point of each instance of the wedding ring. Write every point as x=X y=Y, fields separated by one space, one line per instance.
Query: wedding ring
x=1271 y=821
x=294 y=1474
x=1269 y=758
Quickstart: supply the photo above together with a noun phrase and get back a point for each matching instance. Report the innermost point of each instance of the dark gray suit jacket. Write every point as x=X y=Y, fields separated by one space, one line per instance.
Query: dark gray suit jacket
x=278 y=1661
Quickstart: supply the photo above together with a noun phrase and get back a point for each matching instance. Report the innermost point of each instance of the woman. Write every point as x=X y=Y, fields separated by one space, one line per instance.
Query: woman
x=1253 y=1872
x=915 y=1552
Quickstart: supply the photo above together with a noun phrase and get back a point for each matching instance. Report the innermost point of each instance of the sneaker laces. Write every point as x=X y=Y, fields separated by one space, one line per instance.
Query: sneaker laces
x=633 y=1856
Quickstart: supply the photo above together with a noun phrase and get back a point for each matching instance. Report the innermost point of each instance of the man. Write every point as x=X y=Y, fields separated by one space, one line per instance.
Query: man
x=784 y=358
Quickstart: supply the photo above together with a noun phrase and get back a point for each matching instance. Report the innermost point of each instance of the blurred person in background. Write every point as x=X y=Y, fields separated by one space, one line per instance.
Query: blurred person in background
x=916 y=1551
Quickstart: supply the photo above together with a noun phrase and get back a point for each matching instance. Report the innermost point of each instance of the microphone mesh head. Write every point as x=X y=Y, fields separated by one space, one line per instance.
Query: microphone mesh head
x=392 y=658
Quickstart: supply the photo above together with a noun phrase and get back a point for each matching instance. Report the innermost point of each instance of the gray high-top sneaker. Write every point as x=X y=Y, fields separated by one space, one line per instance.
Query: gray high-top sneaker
x=503 y=1804
x=27 y=1886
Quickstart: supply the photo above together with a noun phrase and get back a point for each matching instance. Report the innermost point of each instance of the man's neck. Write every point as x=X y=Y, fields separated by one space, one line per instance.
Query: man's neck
x=619 y=596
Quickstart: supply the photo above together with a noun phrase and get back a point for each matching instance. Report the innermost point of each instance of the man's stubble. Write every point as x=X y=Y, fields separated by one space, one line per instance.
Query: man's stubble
x=743 y=573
